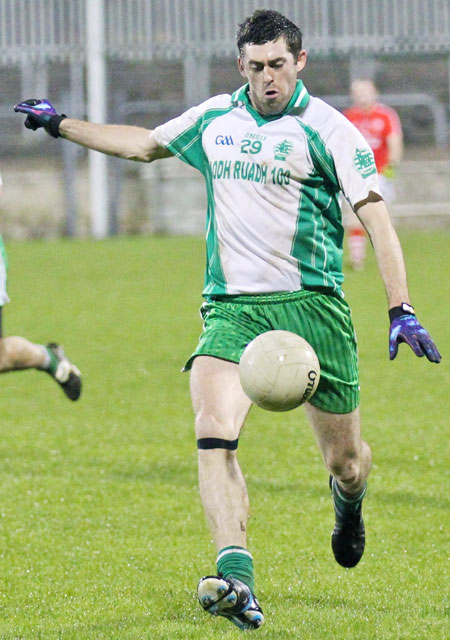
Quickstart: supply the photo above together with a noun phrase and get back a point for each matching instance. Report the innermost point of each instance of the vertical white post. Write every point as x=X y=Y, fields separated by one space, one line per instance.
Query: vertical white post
x=96 y=108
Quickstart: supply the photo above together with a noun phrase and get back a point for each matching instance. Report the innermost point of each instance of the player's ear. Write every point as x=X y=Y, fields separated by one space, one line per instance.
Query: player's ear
x=301 y=59
x=240 y=65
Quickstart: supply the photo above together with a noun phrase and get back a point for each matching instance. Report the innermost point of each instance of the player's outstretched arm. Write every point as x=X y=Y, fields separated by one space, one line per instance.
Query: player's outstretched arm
x=123 y=141
x=404 y=326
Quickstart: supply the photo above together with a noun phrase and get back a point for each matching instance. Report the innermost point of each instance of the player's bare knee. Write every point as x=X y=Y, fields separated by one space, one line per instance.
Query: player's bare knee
x=16 y=353
x=208 y=425
x=345 y=469
x=6 y=355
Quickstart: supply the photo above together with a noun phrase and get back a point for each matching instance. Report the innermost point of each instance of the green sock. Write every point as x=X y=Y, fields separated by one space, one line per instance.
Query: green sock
x=53 y=365
x=344 y=500
x=236 y=562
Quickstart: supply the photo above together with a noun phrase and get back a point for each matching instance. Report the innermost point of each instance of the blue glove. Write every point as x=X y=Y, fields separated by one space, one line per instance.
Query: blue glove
x=406 y=328
x=40 y=113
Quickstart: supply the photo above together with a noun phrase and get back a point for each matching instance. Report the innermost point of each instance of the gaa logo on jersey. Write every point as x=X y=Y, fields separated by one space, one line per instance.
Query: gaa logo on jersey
x=282 y=150
x=225 y=140
x=364 y=162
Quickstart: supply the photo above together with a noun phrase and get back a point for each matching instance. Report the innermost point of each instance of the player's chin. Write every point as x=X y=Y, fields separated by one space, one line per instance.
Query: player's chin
x=273 y=106
x=276 y=101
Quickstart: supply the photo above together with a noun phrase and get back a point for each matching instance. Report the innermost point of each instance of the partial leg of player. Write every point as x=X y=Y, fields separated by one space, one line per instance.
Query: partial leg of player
x=348 y=459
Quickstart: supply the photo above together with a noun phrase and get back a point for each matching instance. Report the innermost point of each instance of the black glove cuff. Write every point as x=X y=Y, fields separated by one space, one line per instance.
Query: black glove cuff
x=53 y=125
x=404 y=309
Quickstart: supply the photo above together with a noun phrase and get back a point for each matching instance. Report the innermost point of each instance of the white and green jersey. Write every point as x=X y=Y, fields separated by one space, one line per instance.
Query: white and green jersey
x=274 y=184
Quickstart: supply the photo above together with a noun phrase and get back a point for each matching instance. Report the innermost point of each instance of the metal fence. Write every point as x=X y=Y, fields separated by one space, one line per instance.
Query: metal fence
x=391 y=26
x=45 y=30
x=39 y=37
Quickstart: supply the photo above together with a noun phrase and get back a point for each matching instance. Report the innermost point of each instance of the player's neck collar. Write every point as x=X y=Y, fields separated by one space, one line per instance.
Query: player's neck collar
x=296 y=105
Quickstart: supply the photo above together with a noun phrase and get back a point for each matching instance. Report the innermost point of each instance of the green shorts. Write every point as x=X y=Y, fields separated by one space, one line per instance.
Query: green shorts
x=231 y=322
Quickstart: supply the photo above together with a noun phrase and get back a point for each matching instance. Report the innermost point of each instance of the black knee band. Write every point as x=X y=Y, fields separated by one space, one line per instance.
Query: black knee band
x=217 y=443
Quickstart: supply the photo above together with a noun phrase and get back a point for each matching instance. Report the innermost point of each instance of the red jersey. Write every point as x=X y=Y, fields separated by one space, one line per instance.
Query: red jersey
x=376 y=125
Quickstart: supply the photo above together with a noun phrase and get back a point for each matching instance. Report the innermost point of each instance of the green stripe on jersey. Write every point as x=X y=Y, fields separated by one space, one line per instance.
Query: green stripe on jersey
x=322 y=159
x=188 y=145
x=317 y=244
x=214 y=275
x=319 y=260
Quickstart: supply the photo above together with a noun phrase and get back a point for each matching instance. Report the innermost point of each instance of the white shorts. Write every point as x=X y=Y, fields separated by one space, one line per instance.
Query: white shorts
x=3 y=274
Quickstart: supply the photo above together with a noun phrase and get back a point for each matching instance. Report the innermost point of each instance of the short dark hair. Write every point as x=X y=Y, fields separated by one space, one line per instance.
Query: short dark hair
x=265 y=25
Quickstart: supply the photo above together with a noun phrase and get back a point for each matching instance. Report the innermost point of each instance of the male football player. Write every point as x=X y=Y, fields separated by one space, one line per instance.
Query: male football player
x=274 y=261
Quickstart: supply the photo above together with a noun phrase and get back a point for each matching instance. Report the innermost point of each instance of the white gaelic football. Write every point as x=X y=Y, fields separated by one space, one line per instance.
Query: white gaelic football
x=279 y=370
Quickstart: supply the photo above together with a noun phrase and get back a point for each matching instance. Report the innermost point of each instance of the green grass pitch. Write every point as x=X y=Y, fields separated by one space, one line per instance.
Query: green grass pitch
x=102 y=535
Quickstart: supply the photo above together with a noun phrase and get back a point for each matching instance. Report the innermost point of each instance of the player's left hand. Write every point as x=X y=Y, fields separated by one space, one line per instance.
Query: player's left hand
x=40 y=113
x=408 y=329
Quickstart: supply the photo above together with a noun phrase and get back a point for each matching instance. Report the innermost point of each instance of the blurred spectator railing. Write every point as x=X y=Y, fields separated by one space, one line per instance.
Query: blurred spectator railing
x=144 y=29
x=34 y=34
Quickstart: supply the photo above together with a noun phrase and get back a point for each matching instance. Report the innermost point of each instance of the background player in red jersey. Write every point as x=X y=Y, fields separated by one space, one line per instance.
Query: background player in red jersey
x=381 y=127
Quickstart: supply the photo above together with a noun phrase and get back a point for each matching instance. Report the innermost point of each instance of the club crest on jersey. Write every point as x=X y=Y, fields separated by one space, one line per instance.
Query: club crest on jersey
x=225 y=140
x=364 y=162
x=282 y=150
